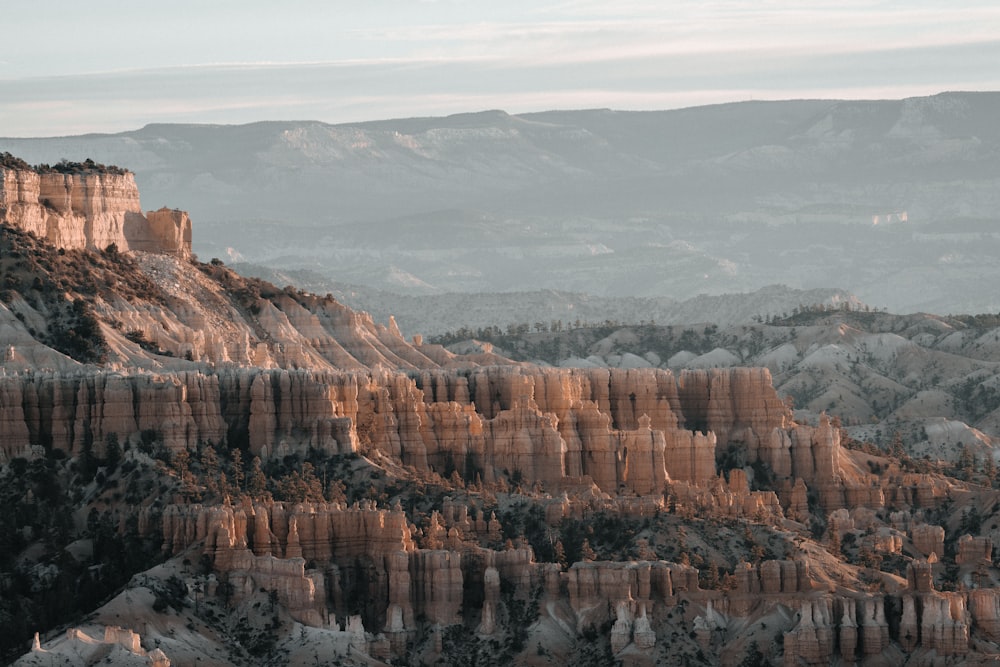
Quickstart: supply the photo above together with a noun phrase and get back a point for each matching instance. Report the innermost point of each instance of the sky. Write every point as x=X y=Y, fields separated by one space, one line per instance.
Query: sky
x=70 y=67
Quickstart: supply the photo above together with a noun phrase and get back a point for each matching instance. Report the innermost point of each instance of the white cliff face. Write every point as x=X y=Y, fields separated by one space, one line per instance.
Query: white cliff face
x=19 y=198
x=91 y=209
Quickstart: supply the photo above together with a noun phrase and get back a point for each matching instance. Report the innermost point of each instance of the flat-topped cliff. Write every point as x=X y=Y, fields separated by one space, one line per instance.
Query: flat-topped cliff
x=84 y=205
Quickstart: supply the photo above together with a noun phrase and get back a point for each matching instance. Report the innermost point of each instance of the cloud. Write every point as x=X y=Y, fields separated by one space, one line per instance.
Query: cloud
x=517 y=55
x=357 y=91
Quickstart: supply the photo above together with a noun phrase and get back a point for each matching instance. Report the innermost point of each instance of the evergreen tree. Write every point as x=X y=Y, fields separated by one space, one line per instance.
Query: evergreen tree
x=257 y=481
x=712 y=577
x=587 y=552
x=112 y=452
x=237 y=476
x=336 y=491
x=312 y=485
x=559 y=553
x=896 y=446
x=181 y=462
x=210 y=470
x=753 y=657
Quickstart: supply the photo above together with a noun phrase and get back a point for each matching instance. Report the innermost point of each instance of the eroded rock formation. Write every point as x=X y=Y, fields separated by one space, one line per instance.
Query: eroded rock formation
x=540 y=425
x=117 y=645
x=89 y=209
x=512 y=425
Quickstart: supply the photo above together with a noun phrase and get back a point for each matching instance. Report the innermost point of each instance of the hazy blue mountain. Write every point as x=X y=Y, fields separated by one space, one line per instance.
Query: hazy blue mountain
x=451 y=312
x=706 y=200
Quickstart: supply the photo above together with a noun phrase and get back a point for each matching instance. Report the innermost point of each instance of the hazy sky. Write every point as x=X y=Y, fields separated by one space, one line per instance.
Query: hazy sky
x=69 y=67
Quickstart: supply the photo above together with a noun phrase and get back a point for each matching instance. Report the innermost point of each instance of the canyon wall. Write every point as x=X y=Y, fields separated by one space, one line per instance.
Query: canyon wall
x=89 y=209
x=860 y=627
x=364 y=560
x=621 y=429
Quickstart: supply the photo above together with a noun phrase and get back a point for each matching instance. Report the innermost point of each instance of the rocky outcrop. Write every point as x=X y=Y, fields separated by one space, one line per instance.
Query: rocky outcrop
x=596 y=590
x=860 y=623
x=166 y=231
x=89 y=208
x=856 y=628
x=984 y=607
x=736 y=406
x=362 y=549
x=270 y=529
x=631 y=626
x=70 y=412
x=301 y=593
x=534 y=425
x=943 y=625
x=732 y=499
x=373 y=554
x=920 y=575
x=974 y=550
x=811 y=641
x=773 y=577
x=928 y=539
x=491 y=598
x=117 y=645
x=798 y=504
x=884 y=540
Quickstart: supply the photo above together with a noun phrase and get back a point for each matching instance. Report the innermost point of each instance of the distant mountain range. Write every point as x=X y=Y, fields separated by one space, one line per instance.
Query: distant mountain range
x=454 y=312
x=670 y=204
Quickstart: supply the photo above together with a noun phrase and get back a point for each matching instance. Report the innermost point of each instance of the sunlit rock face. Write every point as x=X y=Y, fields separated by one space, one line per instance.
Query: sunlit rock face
x=90 y=209
x=541 y=425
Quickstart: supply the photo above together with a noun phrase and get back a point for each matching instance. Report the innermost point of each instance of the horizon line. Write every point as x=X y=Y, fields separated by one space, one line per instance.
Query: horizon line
x=488 y=110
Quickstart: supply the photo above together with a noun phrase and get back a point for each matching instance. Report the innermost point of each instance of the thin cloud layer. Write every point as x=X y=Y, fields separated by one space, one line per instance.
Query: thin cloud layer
x=232 y=63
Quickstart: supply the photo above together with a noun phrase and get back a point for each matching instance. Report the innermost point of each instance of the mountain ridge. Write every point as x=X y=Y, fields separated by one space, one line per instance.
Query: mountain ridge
x=440 y=313
x=741 y=195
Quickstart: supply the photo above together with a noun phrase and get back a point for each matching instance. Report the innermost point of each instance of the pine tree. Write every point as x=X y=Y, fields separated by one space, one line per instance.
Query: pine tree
x=181 y=462
x=712 y=577
x=586 y=552
x=210 y=470
x=990 y=468
x=257 y=481
x=559 y=553
x=896 y=448
x=112 y=452
x=753 y=656
x=237 y=476
x=336 y=491
x=312 y=486
x=966 y=463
